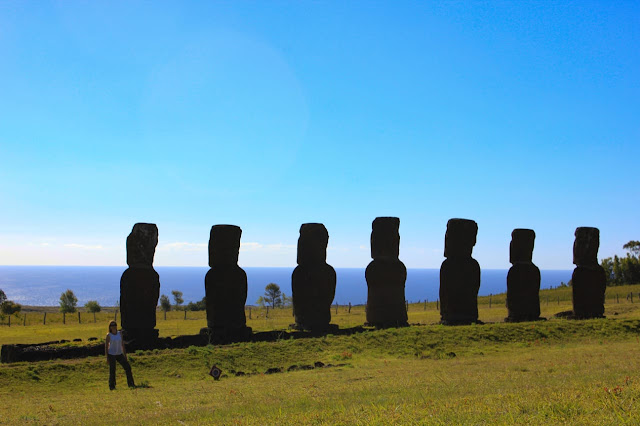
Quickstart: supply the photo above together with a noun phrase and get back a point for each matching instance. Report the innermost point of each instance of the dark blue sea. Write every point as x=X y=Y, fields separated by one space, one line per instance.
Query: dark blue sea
x=42 y=285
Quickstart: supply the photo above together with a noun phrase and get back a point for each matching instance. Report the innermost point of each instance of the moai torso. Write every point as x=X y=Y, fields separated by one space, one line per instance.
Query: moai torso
x=386 y=276
x=459 y=274
x=313 y=282
x=225 y=283
x=589 y=279
x=523 y=279
x=140 y=283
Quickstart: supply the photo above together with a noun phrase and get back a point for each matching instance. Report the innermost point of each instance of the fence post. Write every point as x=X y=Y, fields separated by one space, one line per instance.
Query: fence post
x=44 y=319
x=349 y=307
x=267 y=314
x=438 y=304
x=617 y=298
x=337 y=308
x=25 y=319
x=9 y=320
x=64 y=317
x=490 y=295
x=79 y=319
x=165 y=315
x=558 y=300
x=249 y=312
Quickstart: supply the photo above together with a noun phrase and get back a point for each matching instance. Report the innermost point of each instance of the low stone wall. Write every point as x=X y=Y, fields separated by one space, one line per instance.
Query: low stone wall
x=52 y=350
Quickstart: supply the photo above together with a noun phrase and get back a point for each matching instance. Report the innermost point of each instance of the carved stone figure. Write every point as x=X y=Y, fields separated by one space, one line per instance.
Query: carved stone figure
x=523 y=279
x=459 y=274
x=313 y=282
x=226 y=284
x=140 y=285
x=386 y=276
x=589 y=279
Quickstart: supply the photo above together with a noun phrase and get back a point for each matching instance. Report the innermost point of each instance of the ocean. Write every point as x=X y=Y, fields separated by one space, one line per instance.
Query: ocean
x=42 y=285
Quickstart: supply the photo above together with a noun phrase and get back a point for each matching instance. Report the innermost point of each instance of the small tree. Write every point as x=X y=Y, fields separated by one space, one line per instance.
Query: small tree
x=286 y=301
x=165 y=303
x=68 y=302
x=177 y=296
x=272 y=295
x=93 y=306
x=8 y=307
x=633 y=247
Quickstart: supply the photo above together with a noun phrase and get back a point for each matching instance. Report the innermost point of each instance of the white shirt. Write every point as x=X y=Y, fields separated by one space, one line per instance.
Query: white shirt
x=115 y=343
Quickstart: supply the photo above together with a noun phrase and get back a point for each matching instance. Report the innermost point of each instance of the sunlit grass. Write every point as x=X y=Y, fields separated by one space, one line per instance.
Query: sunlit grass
x=559 y=371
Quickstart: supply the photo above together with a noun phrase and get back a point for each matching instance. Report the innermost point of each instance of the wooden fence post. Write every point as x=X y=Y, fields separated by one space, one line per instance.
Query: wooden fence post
x=185 y=314
x=44 y=319
x=617 y=298
x=337 y=308
x=79 y=319
x=267 y=315
x=249 y=312
x=349 y=307
x=9 y=320
x=558 y=300
x=64 y=317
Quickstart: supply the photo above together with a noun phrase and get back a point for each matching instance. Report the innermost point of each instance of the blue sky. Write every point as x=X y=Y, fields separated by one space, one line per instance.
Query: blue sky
x=268 y=115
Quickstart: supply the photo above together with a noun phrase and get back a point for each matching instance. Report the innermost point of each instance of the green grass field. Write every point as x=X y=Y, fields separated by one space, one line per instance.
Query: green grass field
x=556 y=371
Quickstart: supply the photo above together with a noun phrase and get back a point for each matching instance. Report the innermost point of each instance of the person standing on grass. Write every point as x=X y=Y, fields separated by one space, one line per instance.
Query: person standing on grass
x=115 y=351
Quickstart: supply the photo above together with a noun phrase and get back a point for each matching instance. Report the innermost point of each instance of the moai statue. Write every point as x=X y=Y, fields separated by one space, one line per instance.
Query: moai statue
x=386 y=276
x=523 y=279
x=459 y=274
x=140 y=285
x=589 y=279
x=226 y=285
x=313 y=282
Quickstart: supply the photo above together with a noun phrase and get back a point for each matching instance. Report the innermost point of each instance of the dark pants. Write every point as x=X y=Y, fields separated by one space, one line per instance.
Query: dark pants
x=112 y=370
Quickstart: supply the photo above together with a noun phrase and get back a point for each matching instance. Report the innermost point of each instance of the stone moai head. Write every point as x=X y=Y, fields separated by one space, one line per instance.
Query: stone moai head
x=141 y=245
x=521 y=246
x=385 y=238
x=312 y=243
x=224 y=245
x=585 y=246
x=460 y=238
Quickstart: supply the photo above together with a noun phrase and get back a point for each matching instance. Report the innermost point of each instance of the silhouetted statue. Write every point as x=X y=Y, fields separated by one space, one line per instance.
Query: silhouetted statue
x=589 y=280
x=140 y=285
x=523 y=279
x=459 y=274
x=386 y=276
x=313 y=282
x=226 y=284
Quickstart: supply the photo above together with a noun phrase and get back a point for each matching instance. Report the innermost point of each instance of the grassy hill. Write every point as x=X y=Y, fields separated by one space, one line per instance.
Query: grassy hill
x=556 y=371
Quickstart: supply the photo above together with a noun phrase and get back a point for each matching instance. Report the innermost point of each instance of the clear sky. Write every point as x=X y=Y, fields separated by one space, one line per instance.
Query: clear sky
x=268 y=115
